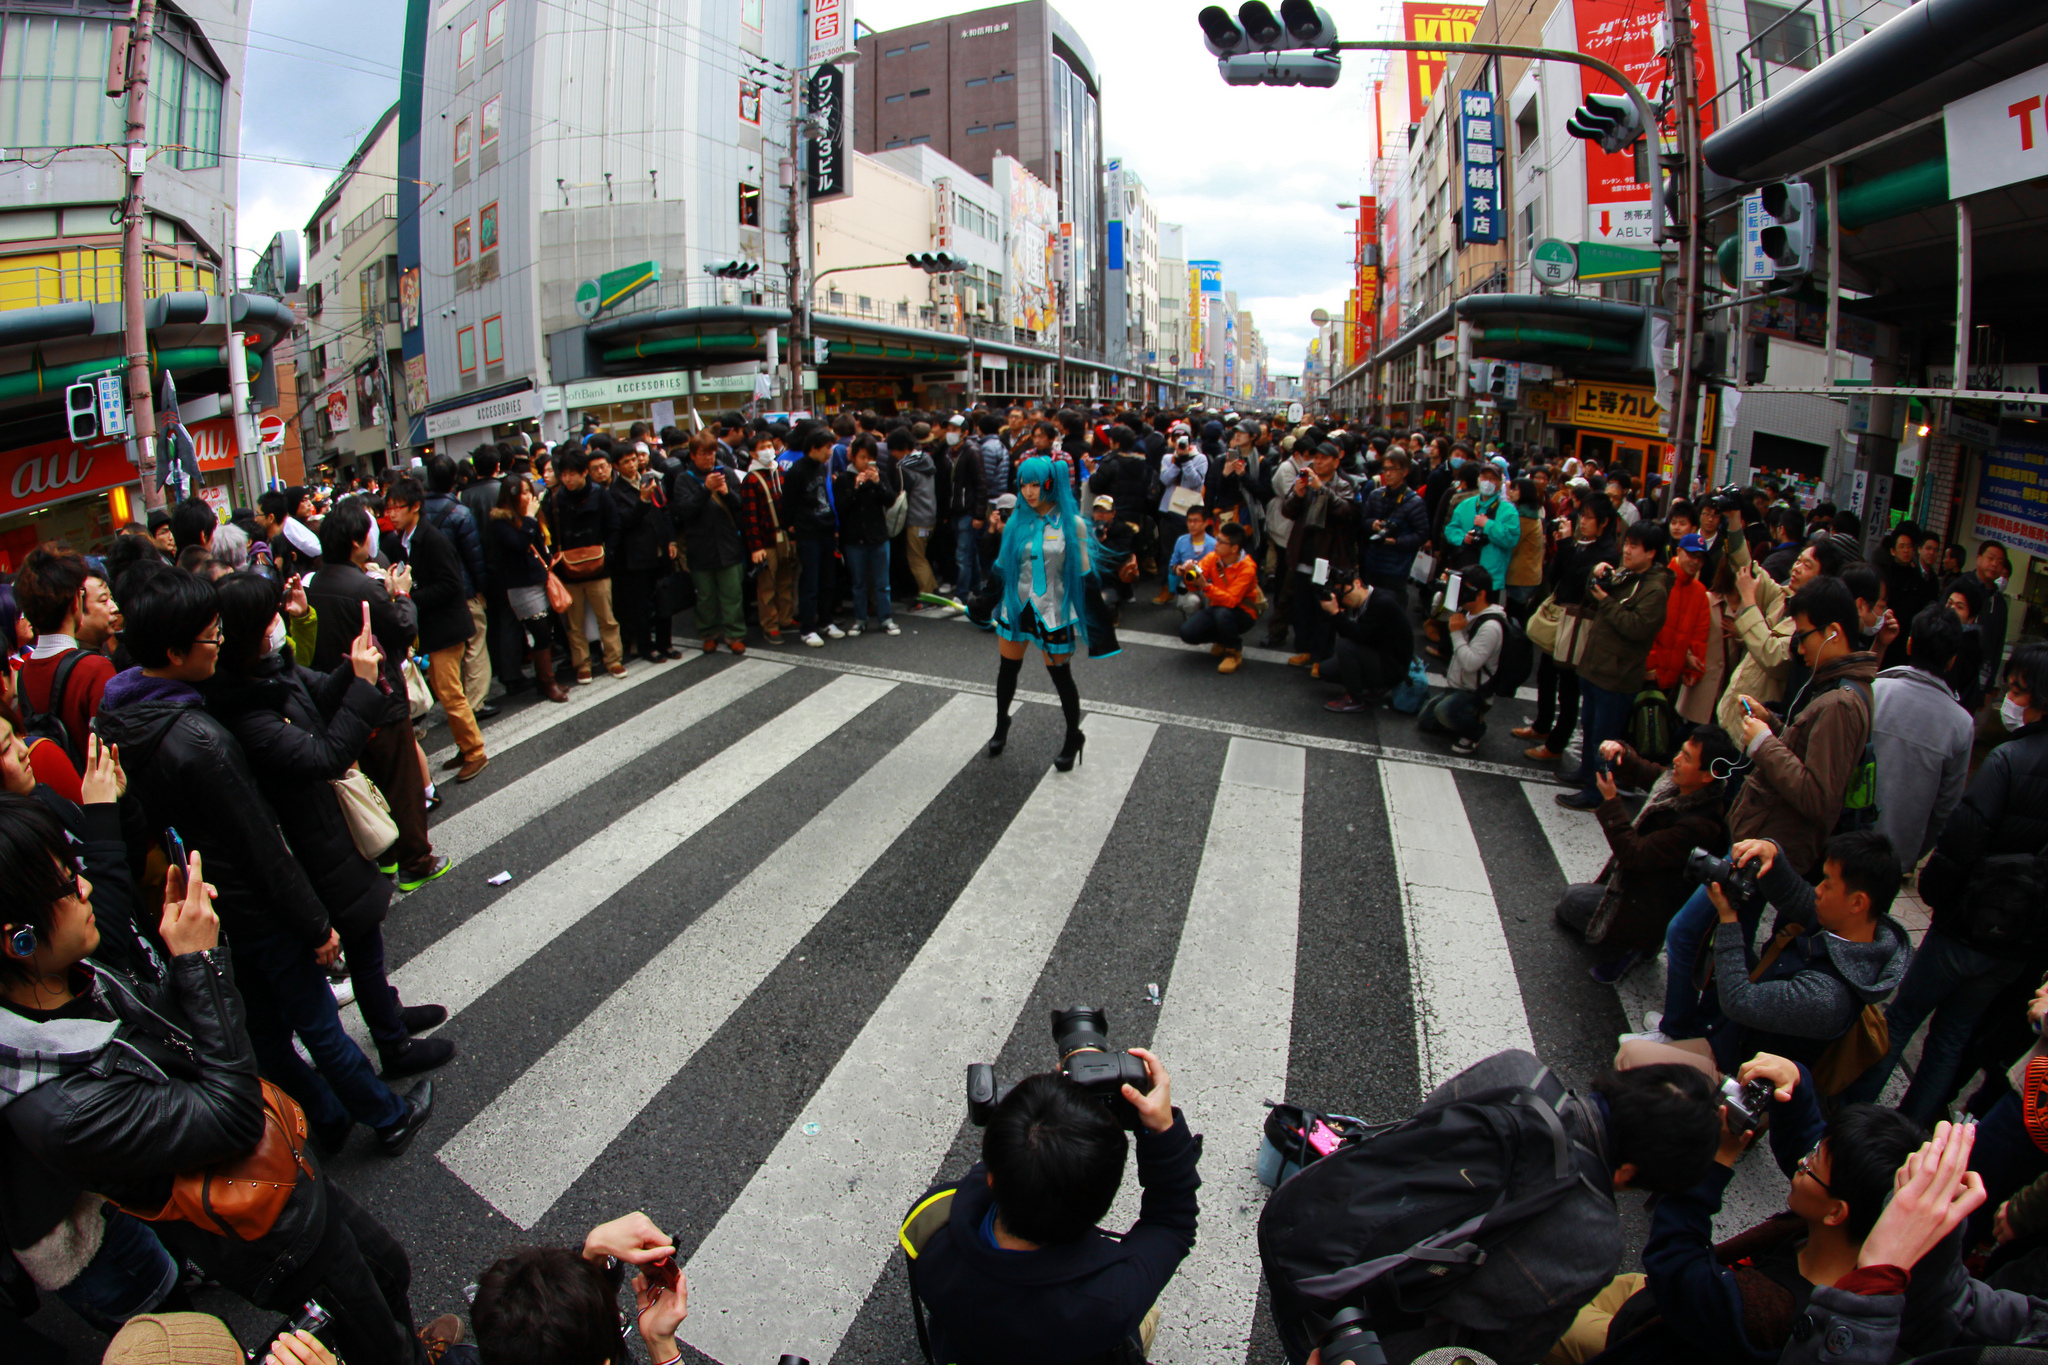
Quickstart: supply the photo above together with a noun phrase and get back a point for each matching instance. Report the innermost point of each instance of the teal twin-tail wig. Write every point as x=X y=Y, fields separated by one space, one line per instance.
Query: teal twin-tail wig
x=1025 y=529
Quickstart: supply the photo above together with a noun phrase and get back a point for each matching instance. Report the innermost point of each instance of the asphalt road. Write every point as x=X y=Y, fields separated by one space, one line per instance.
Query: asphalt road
x=761 y=911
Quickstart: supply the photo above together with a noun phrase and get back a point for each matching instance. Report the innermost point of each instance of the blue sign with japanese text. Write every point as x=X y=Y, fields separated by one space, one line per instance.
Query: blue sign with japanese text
x=2012 y=496
x=1479 y=139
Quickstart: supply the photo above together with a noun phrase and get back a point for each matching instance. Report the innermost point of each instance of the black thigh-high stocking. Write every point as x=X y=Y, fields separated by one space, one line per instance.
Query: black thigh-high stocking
x=1062 y=677
x=1007 y=670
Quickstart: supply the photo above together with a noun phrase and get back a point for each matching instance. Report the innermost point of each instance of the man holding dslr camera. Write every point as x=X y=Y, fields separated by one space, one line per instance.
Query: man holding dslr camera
x=1009 y=1262
x=1375 y=642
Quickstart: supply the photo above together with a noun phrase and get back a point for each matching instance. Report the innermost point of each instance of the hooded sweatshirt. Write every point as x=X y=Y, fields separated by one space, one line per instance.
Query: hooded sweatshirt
x=1802 y=769
x=1922 y=738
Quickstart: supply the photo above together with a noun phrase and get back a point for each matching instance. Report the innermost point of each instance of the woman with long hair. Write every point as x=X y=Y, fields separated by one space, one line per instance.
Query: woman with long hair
x=518 y=558
x=1041 y=573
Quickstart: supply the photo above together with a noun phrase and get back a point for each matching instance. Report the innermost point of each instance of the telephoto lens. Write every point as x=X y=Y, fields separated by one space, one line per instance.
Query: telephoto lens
x=1348 y=1336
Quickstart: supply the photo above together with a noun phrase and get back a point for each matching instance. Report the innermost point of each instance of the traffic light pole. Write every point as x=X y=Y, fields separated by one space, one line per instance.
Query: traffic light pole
x=1644 y=110
x=1689 y=277
x=134 y=282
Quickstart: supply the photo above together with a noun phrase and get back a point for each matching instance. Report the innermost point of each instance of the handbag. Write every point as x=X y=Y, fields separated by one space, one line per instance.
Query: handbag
x=419 y=698
x=1422 y=568
x=1573 y=634
x=580 y=562
x=1181 y=499
x=1543 y=625
x=558 y=596
x=366 y=812
x=1867 y=1039
x=241 y=1197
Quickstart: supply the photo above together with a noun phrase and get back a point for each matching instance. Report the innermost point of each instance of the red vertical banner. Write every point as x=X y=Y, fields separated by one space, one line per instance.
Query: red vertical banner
x=1623 y=33
x=1433 y=23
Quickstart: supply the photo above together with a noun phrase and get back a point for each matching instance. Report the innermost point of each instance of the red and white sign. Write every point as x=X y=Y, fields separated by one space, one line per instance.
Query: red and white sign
x=34 y=475
x=213 y=442
x=270 y=429
x=1433 y=22
x=831 y=30
x=1623 y=33
x=1998 y=136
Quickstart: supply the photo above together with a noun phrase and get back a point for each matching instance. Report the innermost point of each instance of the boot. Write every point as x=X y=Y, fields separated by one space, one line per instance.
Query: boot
x=543 y=661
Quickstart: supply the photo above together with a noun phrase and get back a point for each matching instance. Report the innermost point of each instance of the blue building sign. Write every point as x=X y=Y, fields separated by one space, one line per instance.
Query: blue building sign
x=1478 y=137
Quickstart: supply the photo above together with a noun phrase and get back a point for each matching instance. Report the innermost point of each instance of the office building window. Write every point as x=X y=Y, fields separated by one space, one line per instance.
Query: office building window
x=462 y=242
x=1002 y=76
x=493 y=108
x=750 y=205
x=978 y=80
x=893 y=52
x=892 y=99
x=494 y=339
x=920 y=94
x=920 y=139
x=1794 y=42
x=487 y=228
x=465 y=47
x=1006 y=125
x=185 y=102
x=982 y=128
x=464 y=131
x=494 y=24
x=465 y=350
x=919 y=47
x=750 y=103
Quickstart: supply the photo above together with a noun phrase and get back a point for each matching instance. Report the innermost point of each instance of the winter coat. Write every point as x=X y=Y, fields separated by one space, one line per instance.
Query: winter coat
x=1323 y=523
x=1645 y=875
x=807 y=501
x=1794 y=794
x=1498 y=538
x=517 y=553
x=574 y=520
x=1922 y=740
x=1763 y=642
x=337 y=594
x=1697 y=699
x=480 y=497
x=996 y=469
x=1381 y=628
x=1281 y=480
x=1190 y=471
x=1846 y=1328
x=1907 y=588
x=645 y=532
x=300 y=730
x=1403 y=515
x=864 y=507
x=1475 y=650
x=2004 y=810
x=1573 y=565
x=456 y=522
x=968 y=497
x=1125 y=477
x=709 y=522
x=1685 y=631
x=1626 y=620
x=920 y=481
x=186 y=769
x=1992 y=623
x=1819 y=984
x=437 y=590
x=1525 y=567
x=1967 y=667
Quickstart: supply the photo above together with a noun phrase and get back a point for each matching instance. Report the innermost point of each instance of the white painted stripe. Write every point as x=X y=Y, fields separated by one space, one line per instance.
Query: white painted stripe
x=795 y=1256
x=542 y=716
x=1468 y=1002
x=487 y=947
x=507 y=810
x=1225 y=1025
x=1575 y=836
x=542 y=1132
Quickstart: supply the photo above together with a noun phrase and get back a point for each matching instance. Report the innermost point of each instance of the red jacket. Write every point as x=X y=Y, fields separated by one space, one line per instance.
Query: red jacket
x=1685 y=631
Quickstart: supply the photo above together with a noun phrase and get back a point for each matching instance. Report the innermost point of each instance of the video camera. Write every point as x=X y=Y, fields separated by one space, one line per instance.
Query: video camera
x=1081 y=1037
x=1707 y=870
x=1729 y=499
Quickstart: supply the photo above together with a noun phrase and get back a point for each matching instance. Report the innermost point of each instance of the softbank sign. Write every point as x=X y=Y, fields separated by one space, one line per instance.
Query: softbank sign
x=1998 y=136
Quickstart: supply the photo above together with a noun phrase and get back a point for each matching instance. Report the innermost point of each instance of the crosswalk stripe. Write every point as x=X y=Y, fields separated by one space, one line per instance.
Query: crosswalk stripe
x=475 y=828
x=541 y=1133
x=1468 y=1000
x=1575 y=836
x=1225 y=1024
x=539 y=718
x=460 y=966
x=794 y=1257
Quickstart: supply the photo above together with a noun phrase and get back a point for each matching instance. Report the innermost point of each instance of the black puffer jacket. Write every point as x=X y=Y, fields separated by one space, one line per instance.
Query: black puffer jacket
x=644 y=530
x=864 y=507
x=709 y=522
x=1574 y=565
x=1125 y=477
x=2004 y=810
x=587 y=516
x=437 y=587
x=300 y=731
x=455 y=521
x=187 y=771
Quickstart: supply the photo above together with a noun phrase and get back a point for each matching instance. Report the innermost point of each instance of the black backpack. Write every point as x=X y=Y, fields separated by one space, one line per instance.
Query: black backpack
x=1396 y=1220
x=50 y=724
x=1516 y=662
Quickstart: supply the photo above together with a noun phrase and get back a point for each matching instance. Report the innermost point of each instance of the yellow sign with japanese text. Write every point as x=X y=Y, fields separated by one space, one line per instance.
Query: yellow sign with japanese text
x=1615 y=407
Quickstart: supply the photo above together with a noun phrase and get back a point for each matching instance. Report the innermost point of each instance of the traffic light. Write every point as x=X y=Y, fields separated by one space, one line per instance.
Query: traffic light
x=734 y=270
x=1259 y=47
x=1494 y=378
x=936 y=264
x=82 y=411
x=821 y=352
x=1610 y=120
x=1788 y=241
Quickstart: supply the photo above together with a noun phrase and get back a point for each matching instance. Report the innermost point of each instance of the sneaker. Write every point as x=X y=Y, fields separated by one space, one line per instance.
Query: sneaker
x=1464 y=745
x=1300 y=660
x=814 y=641
x=833 y=632
x=857 y=628
x=890 y=628
x=1578 y=801
x=1615 y=968
x=1345 y=705
x=419 y=877
x=710 y=644
x=1648 y=1036
x=736 y=646
x=945 y=589
x=773 y=637
x=583 y=677
x=1231 y=660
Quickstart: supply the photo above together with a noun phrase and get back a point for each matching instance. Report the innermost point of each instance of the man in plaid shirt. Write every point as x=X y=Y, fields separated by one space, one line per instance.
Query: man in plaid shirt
x=767 y=539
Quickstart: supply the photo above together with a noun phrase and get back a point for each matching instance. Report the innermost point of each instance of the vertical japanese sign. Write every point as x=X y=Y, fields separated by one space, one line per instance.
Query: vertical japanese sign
x=1194 y=307
x=1478 y=137
x=831 y=30
x=1113 y=175
x=1623 y=33
x=1433 y=23
x=826 y=97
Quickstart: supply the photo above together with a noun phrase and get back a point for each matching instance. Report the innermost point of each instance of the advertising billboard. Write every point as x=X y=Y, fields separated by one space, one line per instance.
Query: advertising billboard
x=1034 y=237
x=1431 y=22
x=1624 y=34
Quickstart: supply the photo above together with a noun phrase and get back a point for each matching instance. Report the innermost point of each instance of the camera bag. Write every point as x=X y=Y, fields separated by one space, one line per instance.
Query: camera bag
x=1399 y=1219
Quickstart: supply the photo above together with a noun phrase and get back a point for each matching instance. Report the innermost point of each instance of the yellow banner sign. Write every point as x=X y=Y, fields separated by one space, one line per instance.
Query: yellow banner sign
x=1616 y=407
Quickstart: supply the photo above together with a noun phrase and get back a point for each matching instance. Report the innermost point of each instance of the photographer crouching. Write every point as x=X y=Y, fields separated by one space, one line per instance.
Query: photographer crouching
x=1008 y=1262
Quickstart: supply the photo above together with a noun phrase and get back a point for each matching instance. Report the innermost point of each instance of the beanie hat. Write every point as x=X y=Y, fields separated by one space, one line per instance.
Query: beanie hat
x=173 y=1339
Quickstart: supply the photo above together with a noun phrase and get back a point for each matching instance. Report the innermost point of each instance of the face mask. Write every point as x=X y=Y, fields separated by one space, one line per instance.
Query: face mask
x=2012 y=713
x=2001 y=582
x=952 y=438
x=274 y=641
x=1487 y=488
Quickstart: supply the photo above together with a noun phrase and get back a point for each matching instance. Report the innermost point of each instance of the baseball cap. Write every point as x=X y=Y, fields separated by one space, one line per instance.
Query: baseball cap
x=1692 y=544
x=956 y=420
x=1006 y=502
x=1104 y=502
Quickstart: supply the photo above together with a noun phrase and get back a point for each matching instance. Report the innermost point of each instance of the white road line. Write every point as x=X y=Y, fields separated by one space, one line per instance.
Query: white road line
x=795 y=1256
x=459 y=967
x=1575 y=836
x=542 y=1132
x=507 y=810
x=1227 y=1019
x=1468 y=1001
x=543 y=716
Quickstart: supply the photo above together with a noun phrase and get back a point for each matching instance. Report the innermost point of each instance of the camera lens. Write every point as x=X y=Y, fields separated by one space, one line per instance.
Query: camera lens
x=1080 y=1029
x=1349 y=1336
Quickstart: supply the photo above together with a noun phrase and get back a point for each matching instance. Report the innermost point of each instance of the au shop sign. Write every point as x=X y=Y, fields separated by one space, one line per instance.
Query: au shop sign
x=33 y=475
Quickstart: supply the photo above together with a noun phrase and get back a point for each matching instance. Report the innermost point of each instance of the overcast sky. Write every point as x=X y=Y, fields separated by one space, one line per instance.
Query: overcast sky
x=1255 y=175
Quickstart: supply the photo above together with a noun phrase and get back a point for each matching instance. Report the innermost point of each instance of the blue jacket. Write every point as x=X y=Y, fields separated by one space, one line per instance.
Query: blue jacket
x=1407 y=516
x=1503 y=531
x=456 y=522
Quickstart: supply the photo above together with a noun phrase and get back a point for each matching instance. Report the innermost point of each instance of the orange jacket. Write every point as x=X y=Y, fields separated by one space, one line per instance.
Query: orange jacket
x=1228 y=587
x=1685 y=631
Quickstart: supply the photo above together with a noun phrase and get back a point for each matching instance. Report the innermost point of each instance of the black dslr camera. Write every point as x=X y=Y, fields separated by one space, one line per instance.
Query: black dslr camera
x=1749 y=1106
x=1707 y=870
x=1081 y=1037
x=1336 y=584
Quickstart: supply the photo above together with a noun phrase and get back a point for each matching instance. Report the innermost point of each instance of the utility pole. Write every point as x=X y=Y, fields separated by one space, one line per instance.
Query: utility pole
x=795 y=183
x=134 y=282
x=1688 y=278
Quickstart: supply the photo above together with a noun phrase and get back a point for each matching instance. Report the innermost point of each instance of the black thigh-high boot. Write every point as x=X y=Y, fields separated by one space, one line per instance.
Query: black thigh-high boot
x=1070 y=703
x=1006 y=692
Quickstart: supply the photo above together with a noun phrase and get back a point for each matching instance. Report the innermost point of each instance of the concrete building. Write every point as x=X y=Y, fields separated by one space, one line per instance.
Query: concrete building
x=1010 y=80
x=352 y=411
x=1172 y=275
x=1132 y=277
x=61 y=286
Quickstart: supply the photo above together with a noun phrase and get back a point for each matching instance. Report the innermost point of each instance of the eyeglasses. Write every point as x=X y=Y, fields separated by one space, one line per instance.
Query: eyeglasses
x=213 y=640
x=1805 y=1168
